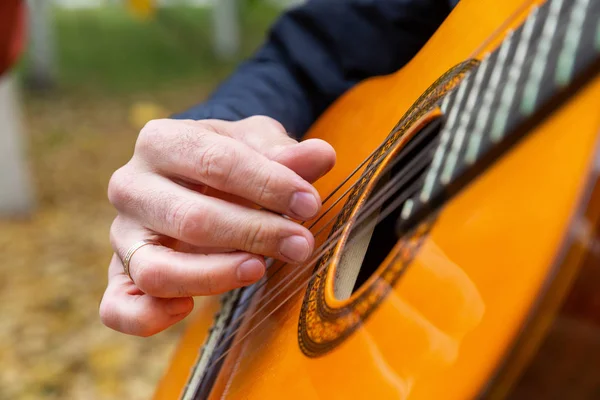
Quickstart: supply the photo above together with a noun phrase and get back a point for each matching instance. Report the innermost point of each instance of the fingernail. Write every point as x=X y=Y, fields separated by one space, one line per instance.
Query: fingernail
x=296 y=248
x=250 y=270
x=178 y=306
x=304 y=205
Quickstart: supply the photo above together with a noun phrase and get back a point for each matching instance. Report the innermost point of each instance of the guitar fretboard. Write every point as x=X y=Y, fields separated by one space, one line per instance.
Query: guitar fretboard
x=553 y=53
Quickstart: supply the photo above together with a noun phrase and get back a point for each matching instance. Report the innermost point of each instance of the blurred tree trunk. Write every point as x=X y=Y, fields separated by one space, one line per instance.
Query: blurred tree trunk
x=226 y=28
x=15 y=186
x=41 y=72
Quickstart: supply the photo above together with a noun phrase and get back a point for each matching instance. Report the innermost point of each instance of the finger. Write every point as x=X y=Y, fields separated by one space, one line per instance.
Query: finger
x=174 y=211
x=310 y=159
x=162 y=272
x=263 y=134
x=126 y=309
x=230 y=166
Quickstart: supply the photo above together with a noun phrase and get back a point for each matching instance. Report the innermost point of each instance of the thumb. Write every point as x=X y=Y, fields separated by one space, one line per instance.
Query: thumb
x=311 y=159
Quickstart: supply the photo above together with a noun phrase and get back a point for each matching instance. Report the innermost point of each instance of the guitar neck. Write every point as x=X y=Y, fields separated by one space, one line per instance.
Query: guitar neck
x=536 y=69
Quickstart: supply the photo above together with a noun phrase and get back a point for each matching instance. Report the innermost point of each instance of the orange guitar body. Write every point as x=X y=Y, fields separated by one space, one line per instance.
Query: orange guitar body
x=499 y=299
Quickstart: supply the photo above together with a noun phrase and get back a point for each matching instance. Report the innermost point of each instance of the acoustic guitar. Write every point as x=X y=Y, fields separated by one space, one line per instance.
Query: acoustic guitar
x=458 y=251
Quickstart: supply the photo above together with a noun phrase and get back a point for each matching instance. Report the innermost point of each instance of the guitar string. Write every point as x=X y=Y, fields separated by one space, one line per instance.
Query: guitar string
x=238 y=341
x=339 y=186
x=378 y=200
x=333 y=237
x=332 y=240
x=328 y=197
x=336 y=189
x=416 y=140
x=513 y=16
x=369 y=169
x=384 y=214
x=353 y=173
x=409 y=147
x=394 y=205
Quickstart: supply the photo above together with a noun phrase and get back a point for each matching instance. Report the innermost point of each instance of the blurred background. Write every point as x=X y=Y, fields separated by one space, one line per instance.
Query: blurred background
x=93 y=72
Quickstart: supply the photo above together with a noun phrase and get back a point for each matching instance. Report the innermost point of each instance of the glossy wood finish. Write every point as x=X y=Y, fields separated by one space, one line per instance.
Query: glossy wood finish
x=450 y=325
x=567 y=364
x=188 y=348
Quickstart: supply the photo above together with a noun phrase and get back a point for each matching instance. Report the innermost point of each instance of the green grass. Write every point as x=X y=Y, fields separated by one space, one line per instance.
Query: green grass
x=111 y=50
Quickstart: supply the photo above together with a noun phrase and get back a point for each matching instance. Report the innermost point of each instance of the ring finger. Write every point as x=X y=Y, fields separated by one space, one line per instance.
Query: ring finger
x=163 y=272
x=128 y=310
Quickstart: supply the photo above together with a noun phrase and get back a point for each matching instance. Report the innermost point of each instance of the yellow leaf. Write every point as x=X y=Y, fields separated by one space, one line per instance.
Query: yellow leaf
x=144 y=9
x=142 y=112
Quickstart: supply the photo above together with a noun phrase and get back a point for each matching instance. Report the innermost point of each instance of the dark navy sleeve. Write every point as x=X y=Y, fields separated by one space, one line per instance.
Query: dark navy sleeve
x=317 y=51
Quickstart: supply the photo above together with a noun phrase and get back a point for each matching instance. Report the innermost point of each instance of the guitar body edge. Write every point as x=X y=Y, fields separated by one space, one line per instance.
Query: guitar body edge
x=472 y=309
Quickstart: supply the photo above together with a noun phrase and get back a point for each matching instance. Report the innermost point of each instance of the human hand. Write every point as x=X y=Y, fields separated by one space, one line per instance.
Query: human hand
x=193 y=187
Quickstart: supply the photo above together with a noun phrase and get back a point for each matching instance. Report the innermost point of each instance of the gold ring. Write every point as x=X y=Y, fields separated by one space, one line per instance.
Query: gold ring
x=131 y=252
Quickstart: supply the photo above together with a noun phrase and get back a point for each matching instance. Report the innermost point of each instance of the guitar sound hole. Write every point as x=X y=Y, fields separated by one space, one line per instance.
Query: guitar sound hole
x=371 y=242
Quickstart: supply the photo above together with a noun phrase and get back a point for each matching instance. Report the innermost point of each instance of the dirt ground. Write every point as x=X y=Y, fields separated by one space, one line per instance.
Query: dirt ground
x=53 y=264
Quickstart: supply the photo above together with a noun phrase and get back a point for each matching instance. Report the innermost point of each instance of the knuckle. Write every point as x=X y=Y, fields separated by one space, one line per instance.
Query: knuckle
x=185 y=217
x=214 y=164
x=264 y=121
x=107 y=313
x=151 y=135
x=256 y=237
x=181 y=291
x=266 y=185
x=144 y=329
x=150 y=277
x=119 y=187
x=206 y=281
x=140 y=325
x=143 y=324
x=114 y=233
x=220 y=229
